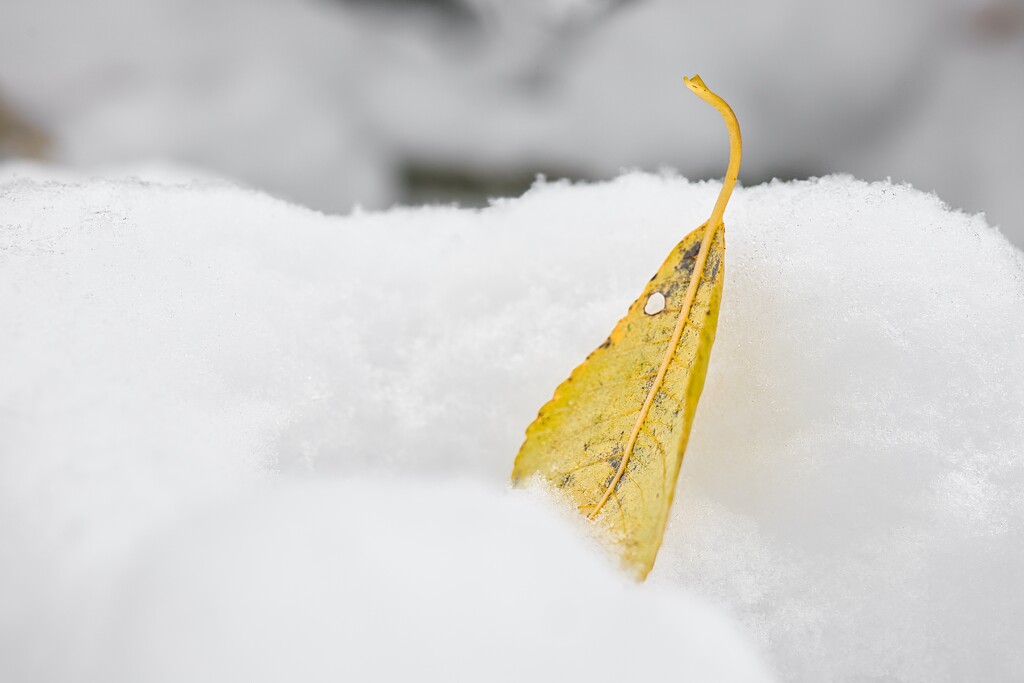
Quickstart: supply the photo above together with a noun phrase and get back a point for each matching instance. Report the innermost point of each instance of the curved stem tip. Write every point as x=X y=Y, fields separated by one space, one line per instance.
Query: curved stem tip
x=735 y=145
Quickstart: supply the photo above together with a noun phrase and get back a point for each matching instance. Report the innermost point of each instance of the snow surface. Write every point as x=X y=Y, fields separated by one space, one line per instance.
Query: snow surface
x=241 y=440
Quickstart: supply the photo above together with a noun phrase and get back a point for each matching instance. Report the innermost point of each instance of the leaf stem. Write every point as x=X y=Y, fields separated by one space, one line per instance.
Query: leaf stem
x=735 y=145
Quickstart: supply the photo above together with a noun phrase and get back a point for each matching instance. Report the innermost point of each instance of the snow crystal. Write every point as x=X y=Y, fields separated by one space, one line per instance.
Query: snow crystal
x=240 y=439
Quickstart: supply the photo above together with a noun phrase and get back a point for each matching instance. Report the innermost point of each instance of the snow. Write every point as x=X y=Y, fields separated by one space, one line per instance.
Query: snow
x=388 y=580
x=240 y=439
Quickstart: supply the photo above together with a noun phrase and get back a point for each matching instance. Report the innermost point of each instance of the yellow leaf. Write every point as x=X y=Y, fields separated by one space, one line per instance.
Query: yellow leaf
x=612 y=438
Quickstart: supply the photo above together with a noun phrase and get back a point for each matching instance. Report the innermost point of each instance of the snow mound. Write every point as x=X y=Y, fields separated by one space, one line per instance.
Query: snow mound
x=240 y=439
x=397 y=581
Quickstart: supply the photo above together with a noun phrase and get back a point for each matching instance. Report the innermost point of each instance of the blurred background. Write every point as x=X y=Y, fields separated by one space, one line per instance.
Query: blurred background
x=338 y=103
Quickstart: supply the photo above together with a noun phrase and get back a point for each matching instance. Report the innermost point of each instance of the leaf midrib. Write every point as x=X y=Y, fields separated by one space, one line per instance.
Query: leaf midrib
x=684 y=314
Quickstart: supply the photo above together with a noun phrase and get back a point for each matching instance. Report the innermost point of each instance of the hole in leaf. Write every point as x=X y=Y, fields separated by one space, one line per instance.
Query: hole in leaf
x=655 y=304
